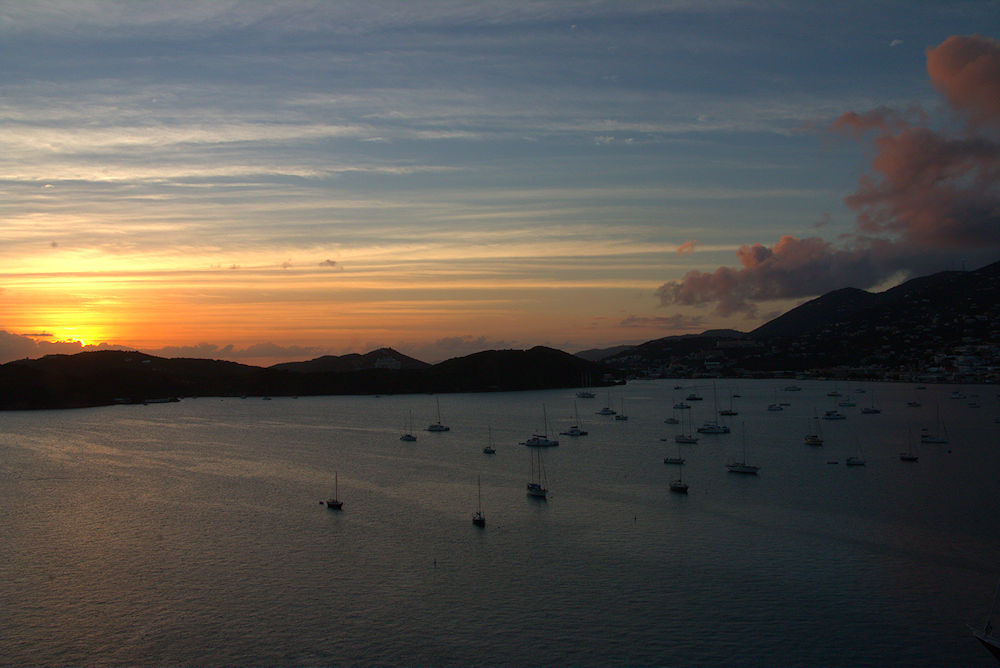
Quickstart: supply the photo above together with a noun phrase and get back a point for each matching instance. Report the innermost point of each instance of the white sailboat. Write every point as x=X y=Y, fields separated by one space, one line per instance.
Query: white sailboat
x=575 y=430
x=438 y=426
x=714 y=426
x=686 y=436
x=542 y=440
x=538 y=486
x=742 y=466
x=607 y=410
x=490 y=448
x=478 y=518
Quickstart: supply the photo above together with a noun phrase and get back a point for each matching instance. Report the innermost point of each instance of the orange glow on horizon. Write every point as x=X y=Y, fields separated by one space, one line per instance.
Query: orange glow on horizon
x=367 y=300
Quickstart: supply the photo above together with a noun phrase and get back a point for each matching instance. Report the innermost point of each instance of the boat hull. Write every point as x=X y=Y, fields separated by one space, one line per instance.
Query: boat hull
x=989 y=642
x=540 y=442
x=537 y=491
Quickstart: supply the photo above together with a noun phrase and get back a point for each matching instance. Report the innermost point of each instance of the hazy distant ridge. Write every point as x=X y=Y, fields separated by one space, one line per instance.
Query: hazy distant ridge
x=106 y=377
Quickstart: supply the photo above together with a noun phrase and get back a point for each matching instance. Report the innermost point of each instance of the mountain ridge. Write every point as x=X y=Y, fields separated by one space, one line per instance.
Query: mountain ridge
x=915 y=329
x=941 y=325
x=108 y=377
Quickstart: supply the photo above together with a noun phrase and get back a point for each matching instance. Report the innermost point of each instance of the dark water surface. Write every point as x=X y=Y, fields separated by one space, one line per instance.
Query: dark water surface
x=192 y=533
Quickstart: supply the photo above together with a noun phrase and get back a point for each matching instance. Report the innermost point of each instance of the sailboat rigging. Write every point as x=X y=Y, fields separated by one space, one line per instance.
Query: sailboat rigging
x=437 y=426
x=408 y=434
x=742 y=466
x=714 y=426
x=575 y=430
x=537 y=487
x=686 y=436
x=910 y=455
x=542 y=440
x=334 y=502
x=478 y=518
x=678 y=485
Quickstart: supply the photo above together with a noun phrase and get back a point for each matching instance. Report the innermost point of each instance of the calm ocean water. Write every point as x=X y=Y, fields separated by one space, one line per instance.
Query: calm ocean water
x=192 y=533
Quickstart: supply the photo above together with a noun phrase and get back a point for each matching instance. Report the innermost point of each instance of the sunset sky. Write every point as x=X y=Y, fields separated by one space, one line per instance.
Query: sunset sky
x=275 y=181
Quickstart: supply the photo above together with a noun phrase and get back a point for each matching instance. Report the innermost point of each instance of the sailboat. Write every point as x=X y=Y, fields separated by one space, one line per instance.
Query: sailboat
x=537 y=486
x=679 y=486
x=478 y=518
x=686 y=436
x=575 y=430
x=985 y=635
x=871 y=410
x=859 y=460
x=940 y=436
x=678 y=460
x=607 y=410
x=623 y=415
x=742 y=466
x=542 y=440
x=334 y=502
x=437 y=426
x=490 y=449
x=815 y=438
x=408 y=434
x=714 y=426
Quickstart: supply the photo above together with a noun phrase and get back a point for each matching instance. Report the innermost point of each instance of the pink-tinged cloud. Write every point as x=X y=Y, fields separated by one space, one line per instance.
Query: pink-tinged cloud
x=966 y=69
x=932 y=198
x=686 y=247
x=791 y=268
x=931 y=190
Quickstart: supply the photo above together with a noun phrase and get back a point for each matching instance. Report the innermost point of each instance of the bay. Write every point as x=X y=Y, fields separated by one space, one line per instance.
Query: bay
x=193 y=533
